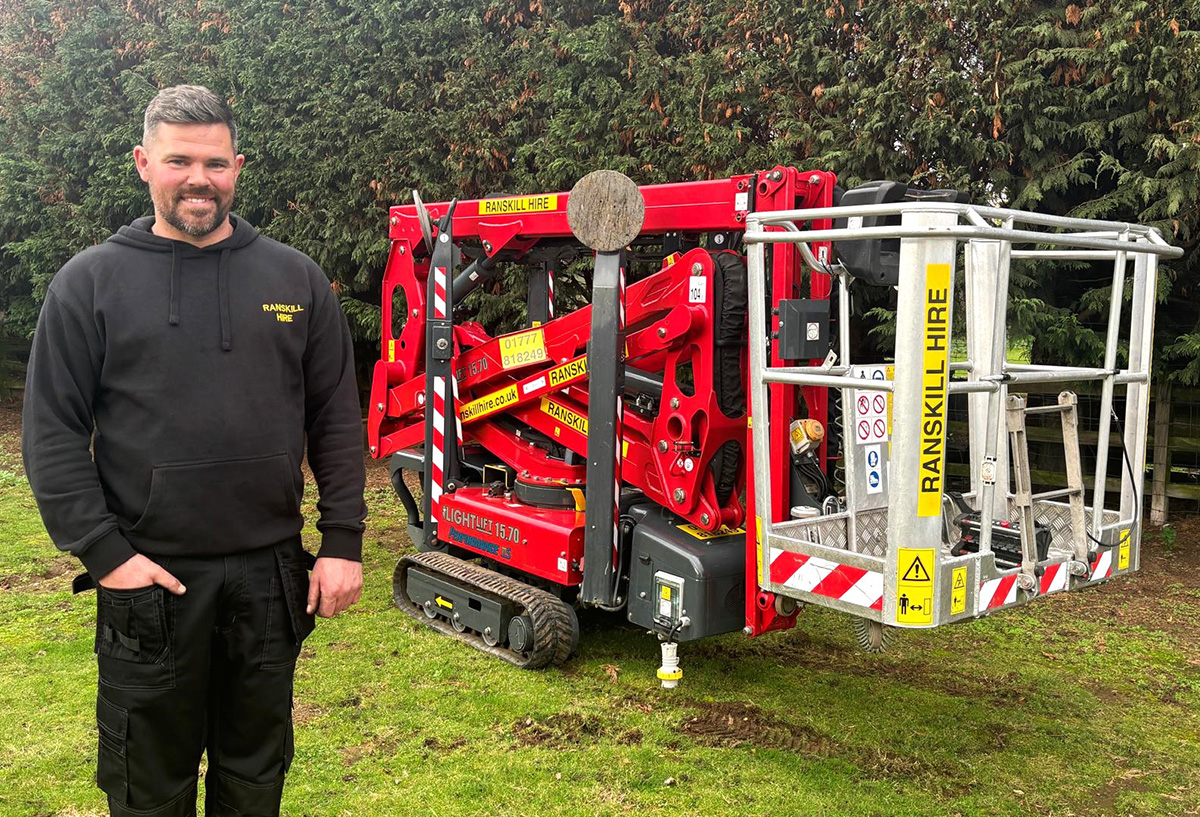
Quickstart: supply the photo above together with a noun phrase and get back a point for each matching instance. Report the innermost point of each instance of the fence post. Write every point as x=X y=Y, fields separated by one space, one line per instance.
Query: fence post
x=1162 y=452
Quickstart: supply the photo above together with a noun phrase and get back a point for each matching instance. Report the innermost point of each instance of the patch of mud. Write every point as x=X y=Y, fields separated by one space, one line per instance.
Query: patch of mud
x=730 y=724
x=52 y=576
x=303 y=712
x=567 y=729
x=1104 y=800
x=436 y=746
x=375 y=746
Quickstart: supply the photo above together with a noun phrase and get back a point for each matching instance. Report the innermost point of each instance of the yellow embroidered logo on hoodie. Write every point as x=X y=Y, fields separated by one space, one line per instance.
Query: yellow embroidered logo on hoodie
x=283 y=312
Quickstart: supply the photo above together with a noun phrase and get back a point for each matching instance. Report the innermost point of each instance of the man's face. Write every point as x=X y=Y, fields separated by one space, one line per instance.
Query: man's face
x=191 y=171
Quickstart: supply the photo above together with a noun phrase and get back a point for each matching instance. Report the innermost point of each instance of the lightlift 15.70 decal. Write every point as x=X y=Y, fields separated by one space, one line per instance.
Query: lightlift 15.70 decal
x=484 y=526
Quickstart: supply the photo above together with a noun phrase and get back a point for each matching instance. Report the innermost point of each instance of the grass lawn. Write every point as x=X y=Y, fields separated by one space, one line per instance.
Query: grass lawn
x=1084 y=704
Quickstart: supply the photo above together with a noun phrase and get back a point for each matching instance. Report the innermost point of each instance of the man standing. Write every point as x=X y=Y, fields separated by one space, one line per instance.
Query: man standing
x=177 y=373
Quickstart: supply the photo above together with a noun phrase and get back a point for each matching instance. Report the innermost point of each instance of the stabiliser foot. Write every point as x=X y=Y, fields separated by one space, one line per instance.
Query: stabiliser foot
x=525 y=626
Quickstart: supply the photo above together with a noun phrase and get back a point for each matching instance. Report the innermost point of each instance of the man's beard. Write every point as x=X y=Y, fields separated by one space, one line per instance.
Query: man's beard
x=196 y=227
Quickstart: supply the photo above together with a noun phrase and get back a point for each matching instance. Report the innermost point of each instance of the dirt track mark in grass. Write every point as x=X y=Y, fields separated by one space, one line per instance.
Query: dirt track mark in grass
x=729 y=724
x=567 y=729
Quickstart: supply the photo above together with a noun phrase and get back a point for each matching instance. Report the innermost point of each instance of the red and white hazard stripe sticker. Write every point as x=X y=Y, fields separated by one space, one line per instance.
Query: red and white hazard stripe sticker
x=439 y=292
x=439 y=424
x=1003 y=591
x=812 y=574
x=998 y=592
x=1101 y=566
x=1054 y=579
x=437 y=478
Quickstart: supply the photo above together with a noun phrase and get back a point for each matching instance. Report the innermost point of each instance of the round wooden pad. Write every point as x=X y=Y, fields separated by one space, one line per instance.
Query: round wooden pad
x=605 y=210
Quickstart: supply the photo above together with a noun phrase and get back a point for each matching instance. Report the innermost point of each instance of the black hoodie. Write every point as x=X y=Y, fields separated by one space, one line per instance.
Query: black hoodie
x=195 y=375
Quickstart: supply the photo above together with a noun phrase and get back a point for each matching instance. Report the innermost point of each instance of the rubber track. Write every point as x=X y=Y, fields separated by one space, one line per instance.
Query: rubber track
x=554 y=639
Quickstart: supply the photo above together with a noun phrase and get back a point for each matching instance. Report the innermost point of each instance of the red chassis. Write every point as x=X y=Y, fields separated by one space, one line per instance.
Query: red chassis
x=537 y=378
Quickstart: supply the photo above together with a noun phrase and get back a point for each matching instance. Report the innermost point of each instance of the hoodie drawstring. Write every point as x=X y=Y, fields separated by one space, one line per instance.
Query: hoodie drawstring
x=176 y=266
x=223 y=293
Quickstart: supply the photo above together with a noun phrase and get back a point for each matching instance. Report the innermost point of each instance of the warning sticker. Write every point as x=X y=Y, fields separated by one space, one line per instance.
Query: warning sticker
x=958 y=591
x=518 y=204
x=870 y=409
x=914 y=586
x=565 y=416
x=874 y=470
x=391 y=354
x=700 y=533
x=1123 y=551
x=522 y=349
x=488 y=404
x=568 y=372
x=933 y=390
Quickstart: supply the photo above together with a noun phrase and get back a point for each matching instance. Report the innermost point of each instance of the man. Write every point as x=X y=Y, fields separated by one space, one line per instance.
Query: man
x=177 y=373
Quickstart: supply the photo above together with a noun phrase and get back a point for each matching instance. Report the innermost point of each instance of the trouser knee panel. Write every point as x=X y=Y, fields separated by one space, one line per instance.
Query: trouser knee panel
x=227 y=796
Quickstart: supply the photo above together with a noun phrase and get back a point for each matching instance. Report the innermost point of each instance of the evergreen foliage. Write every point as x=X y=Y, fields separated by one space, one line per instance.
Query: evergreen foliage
x=1088 y=109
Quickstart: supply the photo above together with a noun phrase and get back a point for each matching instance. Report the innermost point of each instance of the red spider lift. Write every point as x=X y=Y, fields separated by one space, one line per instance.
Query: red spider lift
x=605 y=456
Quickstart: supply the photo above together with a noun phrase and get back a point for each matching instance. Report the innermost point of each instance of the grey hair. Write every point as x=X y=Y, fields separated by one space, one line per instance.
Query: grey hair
x=187 y=105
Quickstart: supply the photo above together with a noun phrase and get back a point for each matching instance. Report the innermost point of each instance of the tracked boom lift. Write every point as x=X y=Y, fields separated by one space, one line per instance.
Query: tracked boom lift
x=665 y=451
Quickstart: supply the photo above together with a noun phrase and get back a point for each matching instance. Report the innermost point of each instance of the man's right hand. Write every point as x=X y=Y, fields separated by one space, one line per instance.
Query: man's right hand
x=141 y=572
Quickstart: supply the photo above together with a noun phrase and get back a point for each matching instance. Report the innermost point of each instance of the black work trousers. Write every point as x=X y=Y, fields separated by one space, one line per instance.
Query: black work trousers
x=209 y=670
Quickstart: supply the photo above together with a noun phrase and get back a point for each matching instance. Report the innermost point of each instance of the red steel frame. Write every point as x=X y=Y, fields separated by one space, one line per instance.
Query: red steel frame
x=666 y=329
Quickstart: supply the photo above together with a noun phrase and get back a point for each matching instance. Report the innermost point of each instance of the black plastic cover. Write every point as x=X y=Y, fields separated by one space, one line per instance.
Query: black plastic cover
x=712 y=569
x=877 y=261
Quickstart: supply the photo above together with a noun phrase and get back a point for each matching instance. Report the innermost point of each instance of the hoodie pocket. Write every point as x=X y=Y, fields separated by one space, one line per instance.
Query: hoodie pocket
x=217 y=506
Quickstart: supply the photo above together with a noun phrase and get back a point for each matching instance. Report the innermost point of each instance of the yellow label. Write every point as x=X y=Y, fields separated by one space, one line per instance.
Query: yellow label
x=935 y=373
x=518 y=204
x=915 y=586
x=890 y=373
x=666 y=593
x=700 y=533
x=488 y=403
x=568 y=372
x=522 y=349
x=758 y=550
x=565 y=416
x=391 y=357
x=441 y=602
x=624 y=449
x=958 y=592
x=1123 y=552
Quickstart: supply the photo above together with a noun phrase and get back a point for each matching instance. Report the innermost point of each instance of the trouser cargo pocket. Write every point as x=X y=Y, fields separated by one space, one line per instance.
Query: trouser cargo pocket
x=133 y=638
x=112 y=763
x=288 y=622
